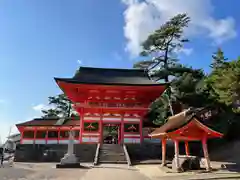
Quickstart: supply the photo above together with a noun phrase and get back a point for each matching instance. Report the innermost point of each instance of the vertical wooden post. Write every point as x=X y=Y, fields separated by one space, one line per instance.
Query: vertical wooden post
x=46 y=136
x=58 y=139
x=122 y=128
x=35 y=134
x=176 y=149
x=101 y=127
x=81 y=124
x=205 y=151
x=21 y=138
x=163 y=140
x=140 y=129
x=187 y=148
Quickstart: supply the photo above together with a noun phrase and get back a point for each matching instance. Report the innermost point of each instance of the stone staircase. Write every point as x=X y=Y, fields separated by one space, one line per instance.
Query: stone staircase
x=112 y=154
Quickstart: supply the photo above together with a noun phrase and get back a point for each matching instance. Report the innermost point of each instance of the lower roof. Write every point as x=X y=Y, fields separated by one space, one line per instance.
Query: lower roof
x=67 y=122
x=51 y=122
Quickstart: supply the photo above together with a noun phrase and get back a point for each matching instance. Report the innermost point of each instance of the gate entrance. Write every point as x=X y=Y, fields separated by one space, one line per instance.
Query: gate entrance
x=111 y=133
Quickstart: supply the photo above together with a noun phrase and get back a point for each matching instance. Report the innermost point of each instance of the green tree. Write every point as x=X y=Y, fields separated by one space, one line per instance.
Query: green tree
x=184 y=93
x=62 y=107
x=161 y=48
x=218 y=65
x=159 y=110
x=218 y=59
x=226 y=83
x=186 y=89
x=49 y=113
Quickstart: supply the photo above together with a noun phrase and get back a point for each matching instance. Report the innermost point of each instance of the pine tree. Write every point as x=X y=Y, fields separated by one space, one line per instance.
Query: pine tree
x=161 y=48
x=218 y=59
x=62 y=107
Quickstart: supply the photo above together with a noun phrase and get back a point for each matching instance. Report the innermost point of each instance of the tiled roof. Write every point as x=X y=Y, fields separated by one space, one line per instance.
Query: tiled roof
x=49 y=122
x=180 y=120
x=88 y=75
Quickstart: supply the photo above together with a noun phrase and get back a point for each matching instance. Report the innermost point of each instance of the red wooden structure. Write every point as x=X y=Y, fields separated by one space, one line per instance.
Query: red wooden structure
x=182 y=127
x=119 y=97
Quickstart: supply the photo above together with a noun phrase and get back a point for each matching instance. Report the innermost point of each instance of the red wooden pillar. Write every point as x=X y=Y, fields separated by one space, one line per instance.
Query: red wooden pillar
x=46 y=136
x=21 y=138
x=141 y=129
x=35 y=134
x=122 y=128
x=164 y=144
x=81 y=124
x=58 y=129
x=119 y=134
x=101 y=127
x=187 y=148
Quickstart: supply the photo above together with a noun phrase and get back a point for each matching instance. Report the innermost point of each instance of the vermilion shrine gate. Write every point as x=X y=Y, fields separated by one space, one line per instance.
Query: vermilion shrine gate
x=102 y=97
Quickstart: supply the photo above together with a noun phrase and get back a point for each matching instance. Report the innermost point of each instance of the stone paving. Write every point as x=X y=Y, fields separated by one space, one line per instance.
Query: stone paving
x=47 y=171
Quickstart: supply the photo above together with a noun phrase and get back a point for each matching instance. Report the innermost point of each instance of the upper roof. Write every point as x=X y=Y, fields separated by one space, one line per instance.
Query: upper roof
x=185 y=126
x=51 y=122
x=110 y=76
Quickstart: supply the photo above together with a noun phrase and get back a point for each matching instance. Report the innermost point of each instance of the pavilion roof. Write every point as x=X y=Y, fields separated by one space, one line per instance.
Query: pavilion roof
x=111 y=76
x=51 y=122
x=185 y=127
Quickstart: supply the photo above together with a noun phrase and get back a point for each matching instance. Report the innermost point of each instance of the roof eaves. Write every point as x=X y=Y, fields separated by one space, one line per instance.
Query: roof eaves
x=188 y=120
x=69 y=80
x=115 y=69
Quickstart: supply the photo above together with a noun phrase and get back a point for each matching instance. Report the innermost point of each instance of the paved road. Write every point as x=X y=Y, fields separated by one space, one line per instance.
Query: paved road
x=47 y=171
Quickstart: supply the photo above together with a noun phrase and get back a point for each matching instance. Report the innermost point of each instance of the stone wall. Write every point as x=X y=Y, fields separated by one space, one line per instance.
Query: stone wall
x=53 y=153
x=152 y=152
x=146 y=153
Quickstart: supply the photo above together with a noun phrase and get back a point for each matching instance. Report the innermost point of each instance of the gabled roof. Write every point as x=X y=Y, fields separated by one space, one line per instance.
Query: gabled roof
x=110 y=76
x=50 y=122
x=185 y=127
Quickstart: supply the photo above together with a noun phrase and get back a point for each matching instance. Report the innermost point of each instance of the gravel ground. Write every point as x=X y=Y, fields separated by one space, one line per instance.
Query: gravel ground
x=47 y=171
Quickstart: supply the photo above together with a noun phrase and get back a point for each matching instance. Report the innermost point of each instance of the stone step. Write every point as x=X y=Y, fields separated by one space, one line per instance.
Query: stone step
x=113 y=162
x=114 y=149
x=109 y=152
x=112 y=154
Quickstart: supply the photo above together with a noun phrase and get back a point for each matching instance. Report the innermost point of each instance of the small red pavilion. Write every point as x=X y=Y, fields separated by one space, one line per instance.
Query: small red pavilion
x=102 y=97
x=185 y=127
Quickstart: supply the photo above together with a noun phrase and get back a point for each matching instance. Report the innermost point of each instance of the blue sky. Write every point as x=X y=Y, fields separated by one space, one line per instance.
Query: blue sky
x=43 y=39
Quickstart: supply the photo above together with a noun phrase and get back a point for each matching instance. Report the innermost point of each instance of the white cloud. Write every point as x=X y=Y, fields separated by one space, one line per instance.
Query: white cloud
x=186 y=51
x=79 y=62
x=41 y=107
x=143 y=17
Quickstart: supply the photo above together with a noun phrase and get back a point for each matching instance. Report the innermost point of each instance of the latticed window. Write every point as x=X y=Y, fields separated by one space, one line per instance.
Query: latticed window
x=53 y=134
x=93 y=126
x=41 y=134
x=28 y=134
x=133 y=128
x=64 y=134
x=76 y=133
